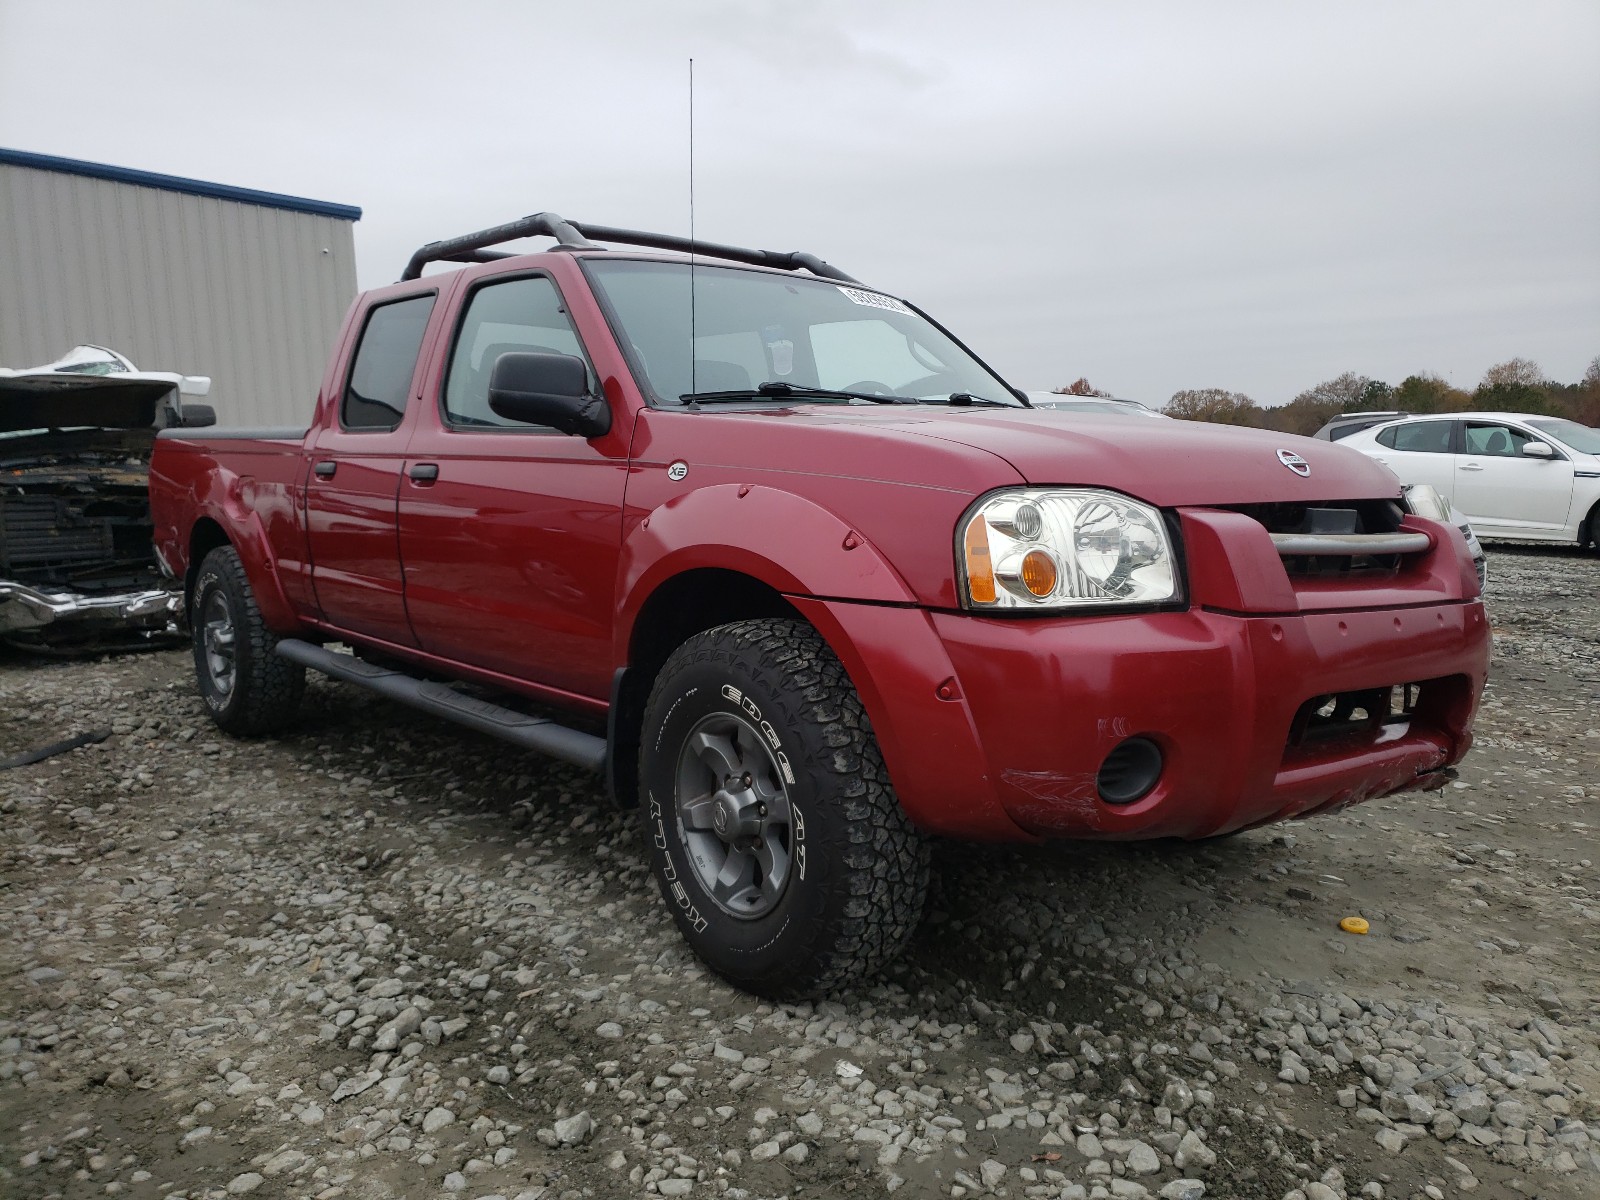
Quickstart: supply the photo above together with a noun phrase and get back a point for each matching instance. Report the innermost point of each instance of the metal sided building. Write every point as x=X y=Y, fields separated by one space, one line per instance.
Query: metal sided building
x=180 y=275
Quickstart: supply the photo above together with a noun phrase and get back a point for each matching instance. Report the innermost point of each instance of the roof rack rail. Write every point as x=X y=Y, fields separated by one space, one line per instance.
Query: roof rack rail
x=569 y=235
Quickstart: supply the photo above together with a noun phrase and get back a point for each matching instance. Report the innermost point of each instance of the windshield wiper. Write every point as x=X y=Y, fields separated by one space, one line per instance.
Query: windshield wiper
x=963 y=398
x=777 y=389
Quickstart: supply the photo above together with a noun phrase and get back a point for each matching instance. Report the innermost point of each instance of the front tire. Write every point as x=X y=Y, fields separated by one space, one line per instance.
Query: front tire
x=248 y=689
x=778 y=844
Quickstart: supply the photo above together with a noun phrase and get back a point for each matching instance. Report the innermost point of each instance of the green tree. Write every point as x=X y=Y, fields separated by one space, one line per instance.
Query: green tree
x=1516 y=385
x=1216 y=405
x=1522 y=372
x=1377 y=395
x=1316 y=406
x=1427 y=393
x=1585 y=405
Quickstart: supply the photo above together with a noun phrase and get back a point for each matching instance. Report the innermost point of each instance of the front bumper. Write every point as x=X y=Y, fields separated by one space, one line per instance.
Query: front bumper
x=57 y=616
x=998 y=728
x=1224 y=697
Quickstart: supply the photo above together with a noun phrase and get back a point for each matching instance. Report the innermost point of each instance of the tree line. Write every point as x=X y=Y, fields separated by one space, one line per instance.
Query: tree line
x=1517 y=385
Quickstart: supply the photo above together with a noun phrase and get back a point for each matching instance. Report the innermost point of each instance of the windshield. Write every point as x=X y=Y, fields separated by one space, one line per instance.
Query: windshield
x=1582 y=438
x=751 y=328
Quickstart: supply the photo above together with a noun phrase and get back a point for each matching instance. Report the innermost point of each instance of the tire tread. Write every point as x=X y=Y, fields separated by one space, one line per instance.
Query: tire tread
x=268 y=688
x=885 y=870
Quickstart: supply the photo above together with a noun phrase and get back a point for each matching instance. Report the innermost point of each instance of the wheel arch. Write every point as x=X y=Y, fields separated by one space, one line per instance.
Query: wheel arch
x=717 y=554
x=231 y=524
x=206 y=536
x=1589 y=528
x=679 y=607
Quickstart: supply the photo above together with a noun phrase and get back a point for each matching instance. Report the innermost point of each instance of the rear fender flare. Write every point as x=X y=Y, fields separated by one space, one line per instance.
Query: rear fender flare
x=791 y=544
x=227 y=498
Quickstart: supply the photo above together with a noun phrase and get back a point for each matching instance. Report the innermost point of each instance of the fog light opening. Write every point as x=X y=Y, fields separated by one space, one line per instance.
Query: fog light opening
x=1129 y=771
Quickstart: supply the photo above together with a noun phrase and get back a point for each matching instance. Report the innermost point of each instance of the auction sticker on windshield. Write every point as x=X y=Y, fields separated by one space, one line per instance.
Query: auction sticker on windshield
x=875 y=300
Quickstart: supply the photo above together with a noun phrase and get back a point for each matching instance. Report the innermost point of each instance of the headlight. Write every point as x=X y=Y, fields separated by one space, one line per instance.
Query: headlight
x=1049 y=548
x=1423 y=501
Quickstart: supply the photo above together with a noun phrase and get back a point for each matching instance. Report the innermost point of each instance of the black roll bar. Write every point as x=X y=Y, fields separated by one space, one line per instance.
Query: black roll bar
x=570 y=235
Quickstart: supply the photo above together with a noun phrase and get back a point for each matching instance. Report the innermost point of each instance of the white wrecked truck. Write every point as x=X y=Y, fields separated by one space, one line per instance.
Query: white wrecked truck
x=77 y=567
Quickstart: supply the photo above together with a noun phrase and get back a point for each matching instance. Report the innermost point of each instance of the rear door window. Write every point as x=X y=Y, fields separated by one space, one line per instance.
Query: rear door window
x=386 y=358
x=1419 y=437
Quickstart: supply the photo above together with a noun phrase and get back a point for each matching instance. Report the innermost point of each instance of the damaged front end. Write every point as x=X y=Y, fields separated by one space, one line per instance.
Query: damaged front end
x=76 y=563
x=78 y=569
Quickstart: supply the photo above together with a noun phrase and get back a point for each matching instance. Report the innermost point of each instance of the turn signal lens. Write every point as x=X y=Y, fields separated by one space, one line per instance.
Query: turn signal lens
x=1039 y=573
x=980 y=567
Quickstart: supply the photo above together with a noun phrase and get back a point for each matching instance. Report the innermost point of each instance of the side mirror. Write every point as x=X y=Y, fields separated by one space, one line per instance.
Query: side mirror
x=1537 y=450
x=197 y=416
x=195 y=385
x=547 y=389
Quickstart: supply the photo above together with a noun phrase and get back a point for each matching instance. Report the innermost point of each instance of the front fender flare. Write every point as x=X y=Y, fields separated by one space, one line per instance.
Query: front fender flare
x=789 y=543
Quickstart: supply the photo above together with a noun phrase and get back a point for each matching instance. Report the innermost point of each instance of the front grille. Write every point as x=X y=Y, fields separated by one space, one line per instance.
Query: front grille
x=40 y=531
x=1356 y=539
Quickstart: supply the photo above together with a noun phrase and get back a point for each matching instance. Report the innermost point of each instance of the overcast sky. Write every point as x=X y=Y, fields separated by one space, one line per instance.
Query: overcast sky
x=1255 y=196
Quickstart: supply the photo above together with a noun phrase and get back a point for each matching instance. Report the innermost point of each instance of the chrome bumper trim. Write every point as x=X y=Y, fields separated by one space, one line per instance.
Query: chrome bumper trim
x=23 y=609
x=1350 y=544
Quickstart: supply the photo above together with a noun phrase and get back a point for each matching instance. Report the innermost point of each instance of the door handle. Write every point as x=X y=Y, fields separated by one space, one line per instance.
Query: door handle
x=423 y=472
x=1471 y=467
x=325 y=469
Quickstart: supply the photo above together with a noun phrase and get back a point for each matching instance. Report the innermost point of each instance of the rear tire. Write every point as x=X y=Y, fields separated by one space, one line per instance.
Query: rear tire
x=248 y=689
x=778 y=844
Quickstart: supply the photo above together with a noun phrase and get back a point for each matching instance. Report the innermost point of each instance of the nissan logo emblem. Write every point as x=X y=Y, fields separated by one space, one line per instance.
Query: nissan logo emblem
x=1294 y=462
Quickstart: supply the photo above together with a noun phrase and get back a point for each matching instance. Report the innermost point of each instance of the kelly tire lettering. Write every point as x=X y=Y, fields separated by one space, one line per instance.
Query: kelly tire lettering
x=857 y=871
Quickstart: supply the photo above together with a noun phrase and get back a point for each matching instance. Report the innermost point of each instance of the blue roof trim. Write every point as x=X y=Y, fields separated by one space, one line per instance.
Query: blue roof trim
x=176 y=183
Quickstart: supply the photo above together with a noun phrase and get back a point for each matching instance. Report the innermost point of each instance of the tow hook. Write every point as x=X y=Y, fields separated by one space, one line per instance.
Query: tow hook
x=1432 y=781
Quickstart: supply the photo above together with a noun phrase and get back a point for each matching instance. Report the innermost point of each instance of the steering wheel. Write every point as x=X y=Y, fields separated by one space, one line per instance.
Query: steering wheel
x=871 y=385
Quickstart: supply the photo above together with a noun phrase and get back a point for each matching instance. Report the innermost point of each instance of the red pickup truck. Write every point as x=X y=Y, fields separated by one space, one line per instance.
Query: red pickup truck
x=813 y=582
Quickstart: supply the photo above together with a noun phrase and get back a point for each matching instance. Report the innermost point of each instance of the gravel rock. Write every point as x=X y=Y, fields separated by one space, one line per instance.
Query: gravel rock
x=574 y=1130
x=361 y=927
x=436 y=1119
x=1143 y=1160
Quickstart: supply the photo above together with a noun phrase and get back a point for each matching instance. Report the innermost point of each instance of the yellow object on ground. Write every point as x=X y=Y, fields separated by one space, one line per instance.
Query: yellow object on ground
x=1354 y=925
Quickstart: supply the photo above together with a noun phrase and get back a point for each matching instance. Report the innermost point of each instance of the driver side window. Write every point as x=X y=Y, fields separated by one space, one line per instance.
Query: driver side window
x=1495 y=441
x=523 y=315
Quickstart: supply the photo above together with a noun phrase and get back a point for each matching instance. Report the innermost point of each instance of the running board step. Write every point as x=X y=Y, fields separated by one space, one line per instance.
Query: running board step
x=531 y=733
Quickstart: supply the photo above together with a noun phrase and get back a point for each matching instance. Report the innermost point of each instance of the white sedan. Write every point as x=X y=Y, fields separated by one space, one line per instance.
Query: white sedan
x=1066 y=402
x=1516 y=476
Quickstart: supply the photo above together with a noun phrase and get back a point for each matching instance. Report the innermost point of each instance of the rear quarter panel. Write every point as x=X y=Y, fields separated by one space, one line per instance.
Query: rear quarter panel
x=248 y=483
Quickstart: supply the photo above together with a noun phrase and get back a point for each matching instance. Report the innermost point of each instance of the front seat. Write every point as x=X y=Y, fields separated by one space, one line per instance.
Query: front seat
x=1499 y=443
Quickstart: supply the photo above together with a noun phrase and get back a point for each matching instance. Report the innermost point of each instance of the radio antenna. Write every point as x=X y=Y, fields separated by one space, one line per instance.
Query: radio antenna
x=694 y=383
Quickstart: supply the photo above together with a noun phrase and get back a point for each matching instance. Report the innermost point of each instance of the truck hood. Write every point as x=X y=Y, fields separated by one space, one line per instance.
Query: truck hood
x=91 y=385
x=1166 y=463
x=1169 y=463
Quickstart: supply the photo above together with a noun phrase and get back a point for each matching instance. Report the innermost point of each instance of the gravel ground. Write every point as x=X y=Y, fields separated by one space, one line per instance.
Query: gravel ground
x=379 y=957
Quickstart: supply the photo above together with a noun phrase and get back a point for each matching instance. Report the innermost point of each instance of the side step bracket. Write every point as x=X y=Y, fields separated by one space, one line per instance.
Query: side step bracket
x=531 y=733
